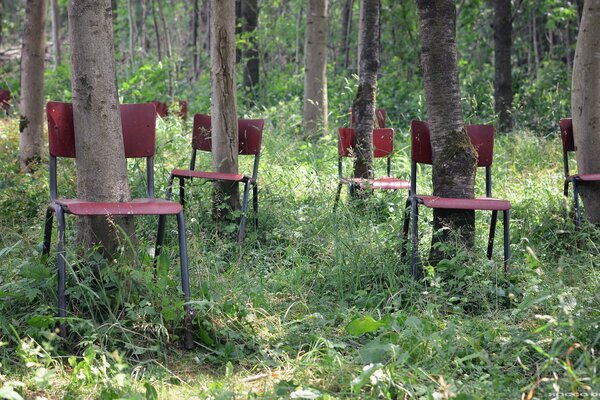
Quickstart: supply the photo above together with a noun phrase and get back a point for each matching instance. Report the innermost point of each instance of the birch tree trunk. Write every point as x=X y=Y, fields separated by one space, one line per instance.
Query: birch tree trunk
x=454 y=158
x=56 y=33
x=315 y=68
x=364 y=103
x=101 y=164
x=502 y=65
x=224 y=106
x=585 y=105
x=31 y=129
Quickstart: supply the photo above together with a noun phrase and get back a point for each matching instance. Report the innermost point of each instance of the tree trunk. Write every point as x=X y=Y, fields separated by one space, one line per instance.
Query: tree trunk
x=32 y=86
x=224 y=107
x=364 y=103
x=194 y=40
x=1 y=24
x=56 y=33
x=315 y=68
x=169 y=49
x=130 y=18
x=346 y=30
x=144 y=40
x=503 y=68
x=454 y=158
x=205 y=28
x=101 y=164
x=250 y=51
x=585 y=105
x=298 y=37
x=155 y=23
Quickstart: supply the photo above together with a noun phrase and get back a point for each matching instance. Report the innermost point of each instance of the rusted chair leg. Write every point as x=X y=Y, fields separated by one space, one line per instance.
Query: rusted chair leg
x=405 y=226
x=414 y=267
x=506 y=223
x=185 y=283
x=160 y=238
x=48 y=231
x=62 y=274
x=576 y=202
x=242 y=230
x=337 y=196
x=490 y=248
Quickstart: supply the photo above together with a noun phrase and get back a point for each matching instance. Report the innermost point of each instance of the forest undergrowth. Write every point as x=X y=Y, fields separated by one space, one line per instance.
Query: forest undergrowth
x=315 y=304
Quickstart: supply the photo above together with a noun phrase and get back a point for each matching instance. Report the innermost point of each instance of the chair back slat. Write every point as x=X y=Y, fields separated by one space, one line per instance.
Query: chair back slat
x=380 y=117
x=138 y=122
x=481 y=136
x=5 y=99
x=249 y=134
x=162 y=110
x=383 y=142
x=566 y=133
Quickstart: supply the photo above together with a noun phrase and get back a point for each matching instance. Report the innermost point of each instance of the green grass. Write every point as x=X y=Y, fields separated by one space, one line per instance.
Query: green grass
x=315 y=304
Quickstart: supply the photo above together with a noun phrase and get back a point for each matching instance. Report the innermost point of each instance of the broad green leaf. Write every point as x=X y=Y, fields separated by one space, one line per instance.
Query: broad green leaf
x=361 y=325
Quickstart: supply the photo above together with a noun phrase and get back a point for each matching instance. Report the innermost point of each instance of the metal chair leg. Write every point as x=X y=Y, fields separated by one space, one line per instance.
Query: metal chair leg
x=242 y=231
x=185 y=282
x=566 y=188
x=337 y=196
x=405 y=226
x=490 y=248
x=182 y=191
x=414 y=267
x=62 y=274
x=255 y=204
x=160 y=237
x=170 y=187
x=506 y=223
x=48 y=231
x=576 y=201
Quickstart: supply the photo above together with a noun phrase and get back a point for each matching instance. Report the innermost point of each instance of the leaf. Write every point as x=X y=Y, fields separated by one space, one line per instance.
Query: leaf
x=361 y=325
x=41 y=321
x=284 y=388
x=8 y=393
x=379 y=352
x=151 y=393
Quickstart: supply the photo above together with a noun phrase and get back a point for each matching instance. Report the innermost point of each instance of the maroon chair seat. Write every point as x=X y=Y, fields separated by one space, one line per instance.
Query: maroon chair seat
x=139 y=135
x=568 y=142
x=383 y=147
x=482 y=138
x=480 y=203
x=146 y=206
x=209 y=176
x=249 y=143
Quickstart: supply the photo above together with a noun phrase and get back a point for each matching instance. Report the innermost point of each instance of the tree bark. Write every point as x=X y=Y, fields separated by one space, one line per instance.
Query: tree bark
x=345 y=33
x=168 y=48
x=364 y=103
x=250 y=52
x=224 y=106
x=315 y=68
x=130 y=18
x=155 y=23
x=454 y=158
x=101 y=164
x=585 y=105
x=502 y=64
x=194 y=40
x=32 y=86
x=56 y=33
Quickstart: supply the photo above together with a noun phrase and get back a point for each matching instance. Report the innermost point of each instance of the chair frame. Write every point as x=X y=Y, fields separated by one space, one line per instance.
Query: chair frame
x=62 y=145
x=568 y=146
x=383 y=146
x=482 y=138
x=249 y=143
x=5 y=97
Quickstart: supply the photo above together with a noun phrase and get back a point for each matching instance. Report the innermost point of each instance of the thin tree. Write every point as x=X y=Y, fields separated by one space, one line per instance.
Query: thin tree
x=224 y=105
x=131 y=36
x=364 y=103
x=454 y=158
x=249 y=11
x=503 y=94
x=156 y=32
x=56 y=33
x=315 y=67
x=194 y=39
x=585 y=105
x=32 y=86
x=346 y=30
x=101 y=164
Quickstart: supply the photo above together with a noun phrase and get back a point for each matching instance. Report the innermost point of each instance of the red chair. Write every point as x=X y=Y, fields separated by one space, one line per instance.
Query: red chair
x=482 y=138
x=5 y=100
x=568 y=142
x=249 y=143
x=383 y=146
x=162 y=109
x=139 y=129
x=380 y=117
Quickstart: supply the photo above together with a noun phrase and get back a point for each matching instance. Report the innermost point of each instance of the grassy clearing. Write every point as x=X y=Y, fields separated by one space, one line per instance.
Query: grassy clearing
x=315 y=304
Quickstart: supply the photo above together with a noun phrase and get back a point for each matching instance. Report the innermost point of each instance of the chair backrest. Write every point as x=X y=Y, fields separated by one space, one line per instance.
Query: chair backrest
x=5 y=99
x=566 y=133
x=383 y=142
x=162 y=109
x=481 y=136
x=138 y=122
x=249 y=134
x=482 y=139
x=380 y=117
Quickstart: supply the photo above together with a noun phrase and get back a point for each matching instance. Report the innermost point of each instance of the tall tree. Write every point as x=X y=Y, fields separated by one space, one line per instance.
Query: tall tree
x=224 y=105
x=101 y=164
x=585 y=105
x=346 y=29
x=315 y=67
x=249 y=12
x=32 y=85
x=454 y=158
x=56 y=33
x=503 y=68
x=364 y=103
